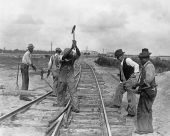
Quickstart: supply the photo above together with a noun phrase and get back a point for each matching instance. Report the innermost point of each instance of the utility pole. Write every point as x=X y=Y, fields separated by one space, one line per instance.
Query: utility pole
x=51 y=47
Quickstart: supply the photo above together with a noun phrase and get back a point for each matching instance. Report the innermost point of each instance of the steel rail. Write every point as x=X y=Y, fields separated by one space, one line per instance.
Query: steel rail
x=55 y=120
x=103 y=106
x=56 y=130
x=80 y=71
x=59 y=122
x=47 y=83
x=27 y=105
x=23 y=107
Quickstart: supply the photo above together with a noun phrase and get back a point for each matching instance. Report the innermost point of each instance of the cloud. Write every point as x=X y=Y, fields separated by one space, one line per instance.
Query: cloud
x=130 y=25
x=104 y=22
x=21 y=31
x=104 y=29
x=28 y=19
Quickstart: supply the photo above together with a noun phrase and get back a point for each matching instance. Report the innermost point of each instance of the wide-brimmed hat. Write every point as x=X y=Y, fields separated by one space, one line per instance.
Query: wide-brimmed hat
x=58 y=49
x=66 y=50
x=145 y=53
x=118 y=53
x=30 y=46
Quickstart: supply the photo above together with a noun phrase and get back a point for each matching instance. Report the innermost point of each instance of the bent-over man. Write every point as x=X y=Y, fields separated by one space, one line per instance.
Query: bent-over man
x=26 y=62
x=54 y=66
x=128 y=71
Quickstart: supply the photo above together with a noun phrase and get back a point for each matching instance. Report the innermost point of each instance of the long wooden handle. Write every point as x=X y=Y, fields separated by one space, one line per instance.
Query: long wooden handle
x=17 y=75
x=73 y=35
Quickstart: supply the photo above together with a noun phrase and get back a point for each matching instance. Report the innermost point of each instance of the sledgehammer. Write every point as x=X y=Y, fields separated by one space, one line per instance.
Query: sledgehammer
x=73 y=31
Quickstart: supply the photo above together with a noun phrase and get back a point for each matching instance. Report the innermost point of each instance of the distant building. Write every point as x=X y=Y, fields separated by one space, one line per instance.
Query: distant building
x=93 y=52
x=110 y=54
x=87 y=52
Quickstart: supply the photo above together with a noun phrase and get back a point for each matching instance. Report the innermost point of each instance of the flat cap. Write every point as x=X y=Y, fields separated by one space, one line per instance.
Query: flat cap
x=30 y=46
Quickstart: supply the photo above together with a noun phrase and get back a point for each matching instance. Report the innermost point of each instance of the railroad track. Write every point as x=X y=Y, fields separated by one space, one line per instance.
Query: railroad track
x=34 y=117
x=94 y=119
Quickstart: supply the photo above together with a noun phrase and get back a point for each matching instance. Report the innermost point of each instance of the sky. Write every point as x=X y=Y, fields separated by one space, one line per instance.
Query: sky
x=101 y=25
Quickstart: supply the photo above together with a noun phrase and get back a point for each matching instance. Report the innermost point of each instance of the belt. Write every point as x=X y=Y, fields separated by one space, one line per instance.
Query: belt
x=151 y=88
x=24 y=64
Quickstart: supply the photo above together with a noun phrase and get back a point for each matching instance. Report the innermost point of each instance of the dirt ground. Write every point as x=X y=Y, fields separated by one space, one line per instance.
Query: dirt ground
x=161 y=107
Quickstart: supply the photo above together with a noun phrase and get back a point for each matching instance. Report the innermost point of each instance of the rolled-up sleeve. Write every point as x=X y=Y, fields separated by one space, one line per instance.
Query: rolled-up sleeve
x=133 y=64
x=50 y=63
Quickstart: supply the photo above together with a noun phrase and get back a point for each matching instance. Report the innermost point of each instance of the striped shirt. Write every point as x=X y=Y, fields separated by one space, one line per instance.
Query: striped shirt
x=52 y=64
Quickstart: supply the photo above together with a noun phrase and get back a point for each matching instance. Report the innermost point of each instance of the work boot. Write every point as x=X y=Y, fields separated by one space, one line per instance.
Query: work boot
x=143 y=133
x=114 y=106
x=107 y=104
x=56 y=104
x=21 y=97
x=129 y=115
x=76 y=110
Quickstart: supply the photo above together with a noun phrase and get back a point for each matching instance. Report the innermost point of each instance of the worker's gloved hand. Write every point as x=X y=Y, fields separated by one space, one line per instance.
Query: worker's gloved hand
x=48 y=73
x=34 y=67
x=135 y=86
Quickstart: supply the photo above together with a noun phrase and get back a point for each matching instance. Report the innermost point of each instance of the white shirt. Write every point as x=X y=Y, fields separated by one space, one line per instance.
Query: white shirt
x=150 y=72
x=26 y=59
x=50 y=63
x=132 y=63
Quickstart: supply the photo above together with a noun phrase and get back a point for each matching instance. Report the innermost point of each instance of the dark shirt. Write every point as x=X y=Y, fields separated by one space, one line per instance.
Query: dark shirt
x=67 y=66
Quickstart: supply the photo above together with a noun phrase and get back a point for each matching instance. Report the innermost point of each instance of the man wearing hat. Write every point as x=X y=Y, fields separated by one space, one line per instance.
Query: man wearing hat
x=54 y=66
x=128 y=72
x=26 y=62
x=147 y=90
x=66 y=76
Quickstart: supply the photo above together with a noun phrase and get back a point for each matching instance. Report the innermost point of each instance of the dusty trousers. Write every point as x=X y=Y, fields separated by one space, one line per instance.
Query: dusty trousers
x=144 y=111
x=131 y=97
x=66 y=82
x=25 y=76
x=55 y=74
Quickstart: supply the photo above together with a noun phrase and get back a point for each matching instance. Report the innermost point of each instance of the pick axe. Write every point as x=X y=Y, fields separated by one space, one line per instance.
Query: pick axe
x=73 y=31
x=17 y=85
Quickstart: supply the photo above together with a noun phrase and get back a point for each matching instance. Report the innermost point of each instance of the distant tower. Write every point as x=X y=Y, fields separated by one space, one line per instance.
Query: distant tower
x=86 y=49
x=51 y=47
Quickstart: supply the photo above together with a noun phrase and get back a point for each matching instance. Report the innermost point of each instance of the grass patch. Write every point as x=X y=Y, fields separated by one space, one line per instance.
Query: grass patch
x=106 y=61
x=10 y=62
x=160 y=65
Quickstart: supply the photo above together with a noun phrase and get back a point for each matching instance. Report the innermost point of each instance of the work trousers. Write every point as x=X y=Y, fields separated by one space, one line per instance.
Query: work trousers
x=66 y=82
x=25 y=76
x=131 y=97
x=144 y=111
x=55 y=74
